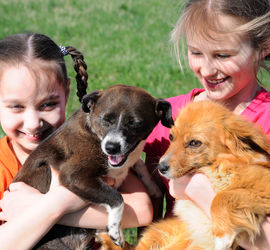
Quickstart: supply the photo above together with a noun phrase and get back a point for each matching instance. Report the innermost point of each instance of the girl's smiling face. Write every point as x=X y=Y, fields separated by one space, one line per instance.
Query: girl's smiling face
x=30 y=107
x=224 y=64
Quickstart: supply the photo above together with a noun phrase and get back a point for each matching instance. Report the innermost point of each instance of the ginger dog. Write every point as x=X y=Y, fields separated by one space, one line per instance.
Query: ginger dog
x=234 y=154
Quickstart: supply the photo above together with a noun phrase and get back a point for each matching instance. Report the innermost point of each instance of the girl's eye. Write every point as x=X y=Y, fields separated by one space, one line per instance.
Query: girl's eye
x=171 y=137
x=47 y=106
x=223 y=56
x=195 y=53
x=194 y=143
x=16 y=108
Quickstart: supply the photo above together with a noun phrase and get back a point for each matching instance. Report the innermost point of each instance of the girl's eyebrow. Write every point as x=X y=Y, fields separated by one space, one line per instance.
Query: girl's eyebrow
x=52 y=96
x=42 y=99
x=10 y=100
x=218 y=50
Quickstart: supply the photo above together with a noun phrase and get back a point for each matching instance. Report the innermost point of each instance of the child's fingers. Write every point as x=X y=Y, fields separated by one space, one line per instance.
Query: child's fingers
x=16 y=185
x=109 y=180
x=2 y=217
x=54 y=177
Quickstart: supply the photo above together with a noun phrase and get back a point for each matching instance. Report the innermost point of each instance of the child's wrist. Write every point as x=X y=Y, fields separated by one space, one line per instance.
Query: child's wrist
x=55 y=203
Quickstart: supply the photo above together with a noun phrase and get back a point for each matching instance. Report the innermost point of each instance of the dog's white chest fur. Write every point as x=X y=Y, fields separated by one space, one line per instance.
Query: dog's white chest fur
x=194 y=217
x=120 y=174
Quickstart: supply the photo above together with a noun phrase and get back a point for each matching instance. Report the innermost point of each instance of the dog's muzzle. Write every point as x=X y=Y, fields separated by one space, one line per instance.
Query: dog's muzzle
x=163 y=167
x=116 y=156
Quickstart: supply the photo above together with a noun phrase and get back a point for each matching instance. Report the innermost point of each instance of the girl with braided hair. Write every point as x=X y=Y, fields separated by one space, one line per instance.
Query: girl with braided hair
x=34 y=89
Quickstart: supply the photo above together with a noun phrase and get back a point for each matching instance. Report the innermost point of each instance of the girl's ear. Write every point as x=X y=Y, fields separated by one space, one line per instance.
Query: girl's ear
x=265 y=53
x=67 y=90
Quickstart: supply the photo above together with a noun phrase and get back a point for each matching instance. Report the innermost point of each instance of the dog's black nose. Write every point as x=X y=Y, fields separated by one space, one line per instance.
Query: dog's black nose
x=113 y=148
x=163 y=167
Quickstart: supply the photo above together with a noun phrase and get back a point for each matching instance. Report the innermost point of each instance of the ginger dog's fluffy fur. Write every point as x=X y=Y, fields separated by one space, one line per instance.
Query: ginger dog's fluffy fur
x=234 y=155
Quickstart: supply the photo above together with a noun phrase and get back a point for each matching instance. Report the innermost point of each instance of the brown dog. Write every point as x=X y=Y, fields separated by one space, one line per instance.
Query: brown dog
x=234 y=155
x=103 y=137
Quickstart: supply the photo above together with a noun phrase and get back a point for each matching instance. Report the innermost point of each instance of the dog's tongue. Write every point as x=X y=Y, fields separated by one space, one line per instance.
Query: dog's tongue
x=115 y=159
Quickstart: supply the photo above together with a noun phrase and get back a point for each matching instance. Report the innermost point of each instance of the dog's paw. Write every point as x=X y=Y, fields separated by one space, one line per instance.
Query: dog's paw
x=224 y=243
x=116 y=234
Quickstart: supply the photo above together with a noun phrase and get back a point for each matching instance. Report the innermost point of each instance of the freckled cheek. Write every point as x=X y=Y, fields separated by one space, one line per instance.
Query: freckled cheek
x=55 y=118
x=193 y=64
x=230 y=68
x=10 y=123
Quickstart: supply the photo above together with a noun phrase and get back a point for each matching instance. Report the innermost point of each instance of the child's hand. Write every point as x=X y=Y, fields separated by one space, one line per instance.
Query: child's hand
x=66 y=200
x=18 y=199
x=196 y=188
x=200 y=191
x=178 y=186
x=21 y=197
x=109 y=180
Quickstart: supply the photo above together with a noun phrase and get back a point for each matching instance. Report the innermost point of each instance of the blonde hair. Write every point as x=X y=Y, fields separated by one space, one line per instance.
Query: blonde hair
x=201 y=16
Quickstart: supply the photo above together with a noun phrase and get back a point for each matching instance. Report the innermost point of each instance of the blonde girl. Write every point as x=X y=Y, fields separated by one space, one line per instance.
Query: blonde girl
x=227 y=44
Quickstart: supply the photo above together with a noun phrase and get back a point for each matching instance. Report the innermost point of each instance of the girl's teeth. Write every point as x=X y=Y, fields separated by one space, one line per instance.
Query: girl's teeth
x=216 y=81
x=33 y=135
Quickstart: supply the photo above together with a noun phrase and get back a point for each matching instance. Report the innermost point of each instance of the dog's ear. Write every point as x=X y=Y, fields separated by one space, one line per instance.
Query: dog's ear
x=243 y=135
x=89 y=99
x=163 y=111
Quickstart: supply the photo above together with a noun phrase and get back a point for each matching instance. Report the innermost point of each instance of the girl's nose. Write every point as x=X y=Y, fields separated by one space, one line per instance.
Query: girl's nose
x=208 y=69
x=32 y=120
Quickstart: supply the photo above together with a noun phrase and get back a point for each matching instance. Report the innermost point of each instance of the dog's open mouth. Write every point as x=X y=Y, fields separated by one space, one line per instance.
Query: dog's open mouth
x=117 y=160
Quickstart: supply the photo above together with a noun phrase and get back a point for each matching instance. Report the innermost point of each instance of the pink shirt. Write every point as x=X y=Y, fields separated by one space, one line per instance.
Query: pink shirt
x=258 y=111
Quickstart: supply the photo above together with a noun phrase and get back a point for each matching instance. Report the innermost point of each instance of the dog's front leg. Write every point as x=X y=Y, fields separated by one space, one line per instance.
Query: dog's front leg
x=234 y=213
x=114 y=223
x=98 y=192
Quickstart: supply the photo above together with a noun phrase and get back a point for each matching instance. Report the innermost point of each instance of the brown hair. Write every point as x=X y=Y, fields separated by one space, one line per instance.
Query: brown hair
x=27 y=47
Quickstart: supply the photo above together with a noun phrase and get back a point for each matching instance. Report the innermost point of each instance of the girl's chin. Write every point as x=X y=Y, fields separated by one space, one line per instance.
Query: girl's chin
x=216 y=95
x=29 y=145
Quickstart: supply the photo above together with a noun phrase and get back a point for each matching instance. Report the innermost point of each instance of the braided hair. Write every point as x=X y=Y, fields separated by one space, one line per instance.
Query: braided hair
x=26 y=47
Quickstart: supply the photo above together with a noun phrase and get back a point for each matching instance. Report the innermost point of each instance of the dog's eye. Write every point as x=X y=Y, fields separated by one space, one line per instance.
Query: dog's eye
x=109 y=119
x=131 y=122
x=171 y=137
x=194 y=143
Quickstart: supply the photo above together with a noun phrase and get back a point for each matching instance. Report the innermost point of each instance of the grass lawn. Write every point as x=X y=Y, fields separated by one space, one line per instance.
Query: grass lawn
x=123 y=41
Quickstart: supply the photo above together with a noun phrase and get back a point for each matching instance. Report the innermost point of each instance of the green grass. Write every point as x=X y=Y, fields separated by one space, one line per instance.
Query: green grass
x=123 y=41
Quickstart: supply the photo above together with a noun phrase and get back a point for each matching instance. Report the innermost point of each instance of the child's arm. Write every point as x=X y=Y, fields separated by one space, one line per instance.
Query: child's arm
x=138 y=209
x=24 y=229
x=31 y=214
